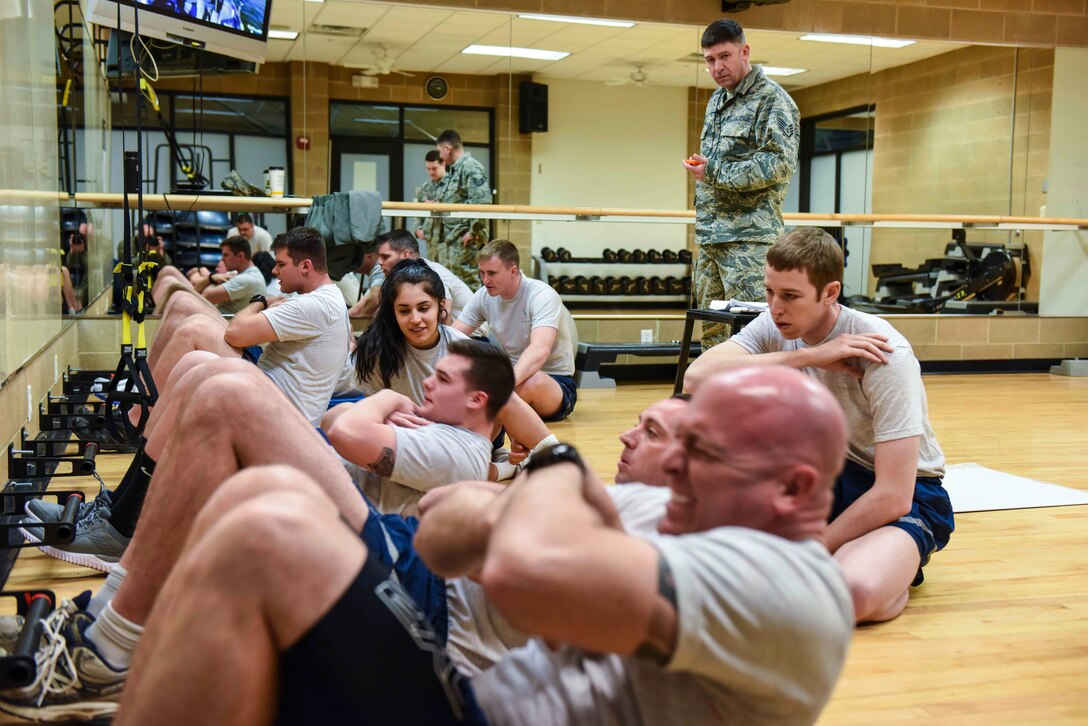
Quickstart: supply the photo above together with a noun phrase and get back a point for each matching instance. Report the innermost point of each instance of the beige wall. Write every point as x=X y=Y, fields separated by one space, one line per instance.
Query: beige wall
x=610 y=146
x=1065 y=268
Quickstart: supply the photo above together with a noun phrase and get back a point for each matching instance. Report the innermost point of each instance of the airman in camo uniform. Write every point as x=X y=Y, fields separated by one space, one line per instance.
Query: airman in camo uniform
x=465 y=183
x=746 y=158
x=429 y=229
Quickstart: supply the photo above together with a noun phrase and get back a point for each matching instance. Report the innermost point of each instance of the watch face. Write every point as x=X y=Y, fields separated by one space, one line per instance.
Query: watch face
x=437 y=88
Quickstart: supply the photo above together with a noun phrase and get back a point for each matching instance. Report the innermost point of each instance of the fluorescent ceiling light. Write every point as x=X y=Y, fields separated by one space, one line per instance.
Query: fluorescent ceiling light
x=509 y=51
x=580 y=21
x=780 y=71
x=282 y=34
x=859 y=40
x=314 y=1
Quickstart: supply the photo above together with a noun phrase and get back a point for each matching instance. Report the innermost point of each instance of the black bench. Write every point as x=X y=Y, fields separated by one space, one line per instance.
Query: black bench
x=591 y=356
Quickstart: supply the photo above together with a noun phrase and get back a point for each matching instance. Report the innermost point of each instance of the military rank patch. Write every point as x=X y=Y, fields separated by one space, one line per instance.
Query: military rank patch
x=787 y=128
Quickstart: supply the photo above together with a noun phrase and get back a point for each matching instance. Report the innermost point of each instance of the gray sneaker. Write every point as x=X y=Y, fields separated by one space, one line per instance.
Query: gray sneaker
x=41 y=510
x=97 y=544
x=73 y=682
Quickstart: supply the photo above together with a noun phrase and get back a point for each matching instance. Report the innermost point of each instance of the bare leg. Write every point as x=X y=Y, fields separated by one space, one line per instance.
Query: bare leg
x=175 y=311
x=542 y=393
x=879 y=568
x=232 y=420
x=69 y=292
x=522 y=422
x=168 y=279
x=196 y=332
x=215 y=637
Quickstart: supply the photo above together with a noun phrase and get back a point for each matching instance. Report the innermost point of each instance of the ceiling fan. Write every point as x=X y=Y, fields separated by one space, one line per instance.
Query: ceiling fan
x=637 y=78
x=383 y=63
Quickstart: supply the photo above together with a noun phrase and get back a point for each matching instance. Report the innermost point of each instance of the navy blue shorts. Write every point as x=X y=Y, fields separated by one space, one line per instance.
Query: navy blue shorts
x=372 y=659
x=427 y=590
x=929 y=523
x=570 y=397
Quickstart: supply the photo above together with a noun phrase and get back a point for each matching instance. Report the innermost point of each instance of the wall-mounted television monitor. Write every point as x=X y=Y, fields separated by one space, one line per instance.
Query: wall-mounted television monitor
x=238 y=28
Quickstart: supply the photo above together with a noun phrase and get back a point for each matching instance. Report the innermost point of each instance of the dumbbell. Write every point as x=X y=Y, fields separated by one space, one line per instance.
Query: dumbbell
x=643 y=287
x=687 y=285
x=684 y=256
x=658 y=286
x=628 y=285
x=563 y=254
x=669 y=256
x=653 y=256
x=582 y=286
x=674 y=285
x=638 y=256
x=613 y=286
x=597 y=285
x=548 y=254
x=553 y=282
x=623 y=255
x=566 y=285
x=609 y=255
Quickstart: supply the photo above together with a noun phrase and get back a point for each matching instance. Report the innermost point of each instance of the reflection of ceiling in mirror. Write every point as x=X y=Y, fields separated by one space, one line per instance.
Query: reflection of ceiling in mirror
x=430 y=40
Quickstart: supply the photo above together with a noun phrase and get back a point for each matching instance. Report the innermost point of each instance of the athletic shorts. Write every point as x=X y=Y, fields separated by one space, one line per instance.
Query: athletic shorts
x=929 y=522
x=372 y=658
x=570 y=397
x=388 y=538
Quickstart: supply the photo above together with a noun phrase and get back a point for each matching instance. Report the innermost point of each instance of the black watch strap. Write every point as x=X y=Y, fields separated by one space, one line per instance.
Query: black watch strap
x=261 y=299
x=555 y=455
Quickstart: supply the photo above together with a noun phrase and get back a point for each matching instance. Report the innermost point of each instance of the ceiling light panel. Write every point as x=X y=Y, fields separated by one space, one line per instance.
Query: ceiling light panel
x=512 y=51
x=870 y=40
x=579 y=21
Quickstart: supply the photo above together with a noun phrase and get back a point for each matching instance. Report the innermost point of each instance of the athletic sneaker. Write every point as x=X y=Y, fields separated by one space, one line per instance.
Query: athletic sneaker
x=72 y=682
x=97 y=544
x=41 y=510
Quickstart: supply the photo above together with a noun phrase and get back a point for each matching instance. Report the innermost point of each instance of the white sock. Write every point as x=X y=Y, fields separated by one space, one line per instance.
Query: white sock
x=115 y=637
x=109 y=589
x=545 y=442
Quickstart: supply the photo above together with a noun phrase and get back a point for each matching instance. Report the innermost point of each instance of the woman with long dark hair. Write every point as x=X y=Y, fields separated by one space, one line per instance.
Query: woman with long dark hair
x=408 y=336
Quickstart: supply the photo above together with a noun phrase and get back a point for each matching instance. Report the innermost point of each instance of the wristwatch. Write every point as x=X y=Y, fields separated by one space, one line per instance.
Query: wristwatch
x=261 y=299
x=555 y=455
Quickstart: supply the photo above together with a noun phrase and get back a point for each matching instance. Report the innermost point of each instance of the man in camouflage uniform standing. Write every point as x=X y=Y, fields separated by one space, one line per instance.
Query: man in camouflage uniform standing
x=465 y=183
x=746 y=158
x=429 y=229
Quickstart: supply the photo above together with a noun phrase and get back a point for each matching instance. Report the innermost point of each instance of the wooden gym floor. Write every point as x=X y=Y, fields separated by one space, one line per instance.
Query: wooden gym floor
x=998 y=634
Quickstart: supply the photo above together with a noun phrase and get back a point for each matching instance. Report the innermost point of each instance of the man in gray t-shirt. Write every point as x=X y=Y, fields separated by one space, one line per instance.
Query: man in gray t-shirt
x=395 y=462
x=734 y=610
x=526 y=318
x=891 y=511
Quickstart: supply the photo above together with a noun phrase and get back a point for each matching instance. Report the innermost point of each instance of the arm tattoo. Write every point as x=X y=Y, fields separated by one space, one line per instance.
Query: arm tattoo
x=383 y=465
x=666 y=588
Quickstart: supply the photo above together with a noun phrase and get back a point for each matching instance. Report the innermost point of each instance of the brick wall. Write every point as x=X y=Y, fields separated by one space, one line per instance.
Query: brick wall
x=948 y=139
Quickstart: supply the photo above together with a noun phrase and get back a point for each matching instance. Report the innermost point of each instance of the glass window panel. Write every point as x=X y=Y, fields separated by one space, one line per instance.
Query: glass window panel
x=425 y=124
x=359 y=119
x=261 y=116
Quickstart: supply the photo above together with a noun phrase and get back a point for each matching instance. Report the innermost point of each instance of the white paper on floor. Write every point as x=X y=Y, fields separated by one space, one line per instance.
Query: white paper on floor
x=974 y=488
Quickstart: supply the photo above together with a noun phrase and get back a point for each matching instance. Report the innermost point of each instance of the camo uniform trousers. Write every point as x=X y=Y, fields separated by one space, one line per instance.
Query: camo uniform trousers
x=733 y=270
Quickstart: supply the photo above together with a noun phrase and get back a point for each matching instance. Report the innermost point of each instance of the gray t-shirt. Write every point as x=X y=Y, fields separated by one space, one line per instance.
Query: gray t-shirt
x=512 y=321
x=427 y=457
x=261 y=242
x=887 y=403
x=418 y=365
x=456 y=290
x=763 y=629
x=241 y=288
x=479 y=636
x=312 y=340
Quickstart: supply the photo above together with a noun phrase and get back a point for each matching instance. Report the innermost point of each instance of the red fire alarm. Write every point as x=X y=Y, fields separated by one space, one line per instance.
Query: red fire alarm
x=303 y=143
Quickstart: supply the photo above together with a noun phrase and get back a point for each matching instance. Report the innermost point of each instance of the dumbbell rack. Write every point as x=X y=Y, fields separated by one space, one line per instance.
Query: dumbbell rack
x=598 y=265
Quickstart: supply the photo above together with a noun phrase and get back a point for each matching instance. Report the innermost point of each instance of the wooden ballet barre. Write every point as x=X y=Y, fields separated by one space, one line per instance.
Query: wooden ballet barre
x=186 y=202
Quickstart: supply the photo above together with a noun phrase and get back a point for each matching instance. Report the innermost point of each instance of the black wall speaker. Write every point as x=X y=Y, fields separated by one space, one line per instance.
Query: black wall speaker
x=533 y=107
